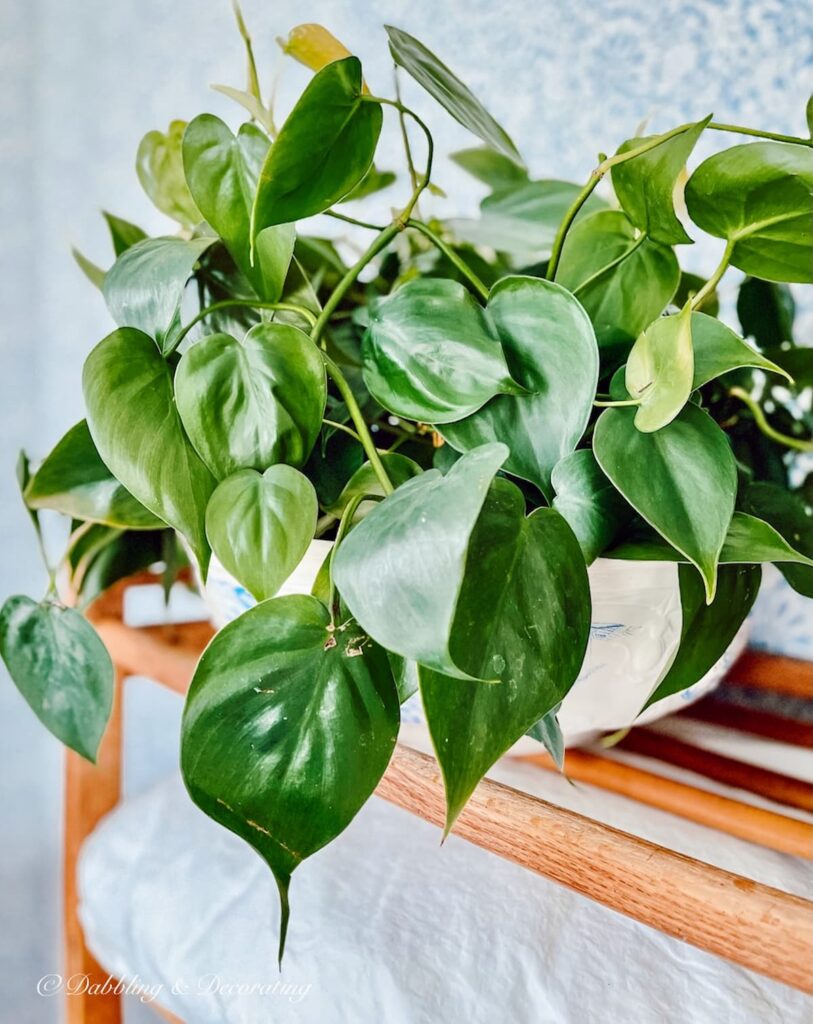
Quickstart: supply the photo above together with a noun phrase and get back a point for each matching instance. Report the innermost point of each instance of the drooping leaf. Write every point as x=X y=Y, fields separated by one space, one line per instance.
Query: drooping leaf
x=123 y=233
x=323 y=150
x=551 y=351
x=400 y=571
x=707 y=629
x=313 y=45
x=365 y=481
x=431 y=353
x=766 y=311
x=492 y=168
x=660 y=370
x=91 y=270
x=137 y=431
x=622 y=281
x=593 y=508
x=61 y=667
x=260 y=526
x=73 y=480
x=682 y=480
x=159 y=166
x=445 y=87
x=222 y=170
x=759 y=197
x=790 y=516
x=288 y=726
x=717 y=350
x=145 y=285
x=645 y=184
x=252 y=403
x=549 y=733
x=523 y=618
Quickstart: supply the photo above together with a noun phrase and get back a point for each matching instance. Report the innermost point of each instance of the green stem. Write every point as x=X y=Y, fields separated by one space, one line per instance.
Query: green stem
x=714 y=280
x=763 y=425
x=288 y=307
x=451 y=256
x=354 y=220
x=406 y=213
x=413 y=174
x=343 y=427
x=739 y=130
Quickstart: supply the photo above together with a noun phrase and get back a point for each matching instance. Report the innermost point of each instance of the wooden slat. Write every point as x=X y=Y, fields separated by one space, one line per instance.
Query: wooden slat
x=168 y=654
x=754 y=824
x=781 y=788
x=756 y=723
x=789 y=676
x=751 y=924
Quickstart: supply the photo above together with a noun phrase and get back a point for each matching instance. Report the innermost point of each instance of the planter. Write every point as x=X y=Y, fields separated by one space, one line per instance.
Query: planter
x=634 y=634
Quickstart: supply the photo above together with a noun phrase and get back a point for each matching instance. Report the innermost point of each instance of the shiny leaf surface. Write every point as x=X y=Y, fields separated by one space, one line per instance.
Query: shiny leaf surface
x=159 y=166
x=660 y=370
x=717 y=350
x=593 y=508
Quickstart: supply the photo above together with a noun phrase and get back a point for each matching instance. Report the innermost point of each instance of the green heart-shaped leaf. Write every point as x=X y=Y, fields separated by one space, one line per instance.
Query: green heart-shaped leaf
x=400 y=571
x=523 y=618
x=222 y=171
x=431 y=354
x=551 y=351
x=717 y=349
x=365 y=481
x=788 y=514
x=61 y=667
x=145 y=285
x=682 y=480
x=159 y=166
x=323 y=150
x=73 y=480
x=759 y=197
x=660 y=370
x=289 y=725
x=593 y=508
x=137 y=430
x=646 y=183
x=260 y=526
x=445 y=87
x=492 y=168
x=252 y=403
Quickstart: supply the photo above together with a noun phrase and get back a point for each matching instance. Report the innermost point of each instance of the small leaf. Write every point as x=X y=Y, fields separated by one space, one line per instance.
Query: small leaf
x=123 y=234
x=92 y=272
x=61 y=667
x=365 y=481
x=660 y=370
x=252 y=403
x=313 y=45
x=372 y=182
x=159 y=166
x=592 y=507
x=717 y=350
x=788 y=514
x=260 y=526
x=492 y=168
x=445 y=87
x=548 y=732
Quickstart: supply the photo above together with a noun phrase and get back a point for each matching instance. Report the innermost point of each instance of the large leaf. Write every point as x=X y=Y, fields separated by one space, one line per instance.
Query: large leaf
x=222 y=171
x=523 y=618
x=73 y=480
x=551 y=351
x=759 y=197
x=137 y=430
x=622 y=281
x=793 y=519
x=288 y=727
x=145 y=285
x=682 y=480
x=445 y=87
x=401 y=570
x=707 y=629
x=431 y=353
x=645 y=184
x=260 y=526
x=492 y=168
x=323 y=150
x=660 y=370
x=593 y=508
x=249 y=404
x=61 y=667
x=717 y=350
x=159 y=166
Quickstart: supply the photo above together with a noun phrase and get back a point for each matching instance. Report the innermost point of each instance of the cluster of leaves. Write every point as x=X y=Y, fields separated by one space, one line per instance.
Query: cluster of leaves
x=556 y=387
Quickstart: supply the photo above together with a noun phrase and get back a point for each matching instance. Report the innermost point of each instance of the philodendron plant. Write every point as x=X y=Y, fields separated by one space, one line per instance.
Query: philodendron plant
x=473 y=412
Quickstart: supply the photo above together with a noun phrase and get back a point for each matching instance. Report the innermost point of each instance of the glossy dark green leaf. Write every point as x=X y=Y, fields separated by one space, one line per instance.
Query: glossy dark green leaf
x=593 y=508
x=445 y=87
x=73 y=480
x=260 y=526
x=793 y=519
x=551 y=350
x=660 y=370
x=123 y=233
x=159 y=166
x=222 y=170
x=252 y=403
x=622 y=281
x=682 y=480
x=323 y=150
x=138 y=433
x=766 y=311
x=61 y=667
x=492 y=168
x=759 y=197
x=523 y=618
x=432 y=354
x=365 y=481
x=645 y=184
x=287 y=729
x=707 y=629
x=401 y=570
x=145 y=285
x=717 y=350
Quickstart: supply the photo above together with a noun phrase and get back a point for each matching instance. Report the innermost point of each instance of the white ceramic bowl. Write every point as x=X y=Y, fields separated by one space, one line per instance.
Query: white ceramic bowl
x=634 y=633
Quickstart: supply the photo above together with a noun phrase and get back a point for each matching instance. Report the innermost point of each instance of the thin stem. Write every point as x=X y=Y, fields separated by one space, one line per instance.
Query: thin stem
x=343 y=427
x=450 y=255
x=406 y=213
x=253 y=77
x=739 y=130
x=413 y=174
x=714 y=280
x=354 y=220
x=617 y=404
x=759 y=418
x=345 y=522
x=288 y=307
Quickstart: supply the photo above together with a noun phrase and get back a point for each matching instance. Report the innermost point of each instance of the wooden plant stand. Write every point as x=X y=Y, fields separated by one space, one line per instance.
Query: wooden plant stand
x=759 y=927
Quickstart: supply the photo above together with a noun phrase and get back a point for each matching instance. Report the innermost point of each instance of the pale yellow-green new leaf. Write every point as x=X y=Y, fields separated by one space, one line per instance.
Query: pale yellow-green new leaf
x=660 y=369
